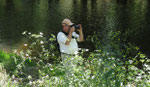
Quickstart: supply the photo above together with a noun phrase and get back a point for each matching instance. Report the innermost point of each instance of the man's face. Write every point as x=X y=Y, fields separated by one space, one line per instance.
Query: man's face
x=66 y=28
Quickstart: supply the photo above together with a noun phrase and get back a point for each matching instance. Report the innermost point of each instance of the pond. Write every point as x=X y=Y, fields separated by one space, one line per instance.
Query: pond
x=128 y=16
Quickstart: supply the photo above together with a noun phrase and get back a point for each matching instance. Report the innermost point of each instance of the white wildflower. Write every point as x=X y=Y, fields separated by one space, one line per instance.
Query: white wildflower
x=41 y=33
x=100 y=60
x=86 y=50
x=93 y=77
x=114 y=65
x=14 y=81
x=130 y=61
x=107 y=53
x=42 y=46
x=123 y=67
x=24 y=32
x=25 y=44
x=113 y=58
x=30 y=83
x=148 y=68
x=13 y=76
x=72 y=58
x=79 y=48
x=41 y=42
x=138 y=77
x=97 y=54
x=145 y=65
x=51 y=69
x=27 y=55
x=96 y=50
x=19 y=66
x=39 y=81
x=49 y=64
x=29 y=33
x=15 y=50
x=148 y=81
x=29 y=77
x=109 y=58
x=134 y=68
x=47 y=76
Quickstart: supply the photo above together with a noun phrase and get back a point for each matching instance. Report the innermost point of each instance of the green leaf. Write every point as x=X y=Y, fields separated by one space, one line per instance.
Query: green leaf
x=142 y=60
x=142 y=56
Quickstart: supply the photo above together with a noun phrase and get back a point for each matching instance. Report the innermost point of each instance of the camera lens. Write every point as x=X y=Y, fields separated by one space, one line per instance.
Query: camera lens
x=77 y=26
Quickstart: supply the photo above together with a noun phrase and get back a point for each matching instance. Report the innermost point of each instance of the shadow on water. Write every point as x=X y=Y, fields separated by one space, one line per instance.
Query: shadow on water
x=131 y=17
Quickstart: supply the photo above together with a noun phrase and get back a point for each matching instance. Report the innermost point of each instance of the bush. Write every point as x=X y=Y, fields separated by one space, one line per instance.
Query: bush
x=110 y=65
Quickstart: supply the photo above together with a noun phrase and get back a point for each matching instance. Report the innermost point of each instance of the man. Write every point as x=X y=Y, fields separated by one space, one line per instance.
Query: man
x=67 y=38
x=68 y=45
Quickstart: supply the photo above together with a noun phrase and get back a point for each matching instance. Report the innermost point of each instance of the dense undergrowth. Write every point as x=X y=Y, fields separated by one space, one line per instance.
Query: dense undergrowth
x=112 y=64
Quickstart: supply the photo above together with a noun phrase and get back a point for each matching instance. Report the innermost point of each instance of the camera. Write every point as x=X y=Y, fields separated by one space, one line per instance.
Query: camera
x=76 y=26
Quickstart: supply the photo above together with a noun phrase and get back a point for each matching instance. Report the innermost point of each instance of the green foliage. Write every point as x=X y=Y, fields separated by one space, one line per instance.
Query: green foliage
x=110 y=65
x=42 y=49
x=4 y=56
x=9 y=61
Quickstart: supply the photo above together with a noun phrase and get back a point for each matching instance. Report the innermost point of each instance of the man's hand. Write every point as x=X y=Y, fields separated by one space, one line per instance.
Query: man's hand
x=71 y=30
x=80 y=34
x=80 y=30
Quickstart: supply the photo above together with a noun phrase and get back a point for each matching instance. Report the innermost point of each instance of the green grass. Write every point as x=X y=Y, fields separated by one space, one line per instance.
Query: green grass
x=4 y=56
x=9 y=61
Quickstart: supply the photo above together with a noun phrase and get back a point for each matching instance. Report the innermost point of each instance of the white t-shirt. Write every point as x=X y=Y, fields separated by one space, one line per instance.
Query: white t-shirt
x=72 y=48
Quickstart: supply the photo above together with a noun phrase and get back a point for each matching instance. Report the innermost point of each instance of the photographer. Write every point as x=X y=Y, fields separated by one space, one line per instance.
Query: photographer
x=67 y=40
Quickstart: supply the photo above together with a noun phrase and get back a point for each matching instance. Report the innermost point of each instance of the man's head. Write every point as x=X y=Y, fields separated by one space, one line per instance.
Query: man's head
x=66 y=23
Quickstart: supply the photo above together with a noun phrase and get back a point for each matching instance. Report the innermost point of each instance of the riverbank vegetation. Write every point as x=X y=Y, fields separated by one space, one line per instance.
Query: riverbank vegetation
x=111 y=64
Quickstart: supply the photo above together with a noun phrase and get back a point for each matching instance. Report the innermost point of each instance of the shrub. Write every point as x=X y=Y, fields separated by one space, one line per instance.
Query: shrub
x=110 y=65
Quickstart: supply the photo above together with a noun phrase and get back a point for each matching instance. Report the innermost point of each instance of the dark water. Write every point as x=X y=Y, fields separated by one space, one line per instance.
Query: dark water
x=128 y=16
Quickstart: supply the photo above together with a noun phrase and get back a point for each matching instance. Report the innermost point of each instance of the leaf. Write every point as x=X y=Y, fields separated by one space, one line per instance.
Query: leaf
x=108 y=74
x=117 y=83
x=142 y=60
x=29 y=60
x=148 y=60
x=142 y=56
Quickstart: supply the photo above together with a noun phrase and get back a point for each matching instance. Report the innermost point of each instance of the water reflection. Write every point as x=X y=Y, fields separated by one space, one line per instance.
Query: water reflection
x=128 y=16
x=111 y=20
x=137 y=22
x=40 y=15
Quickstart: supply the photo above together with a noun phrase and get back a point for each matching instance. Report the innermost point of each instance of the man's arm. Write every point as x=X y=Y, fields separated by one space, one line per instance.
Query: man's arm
x=72 y=29
x=81 y=39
